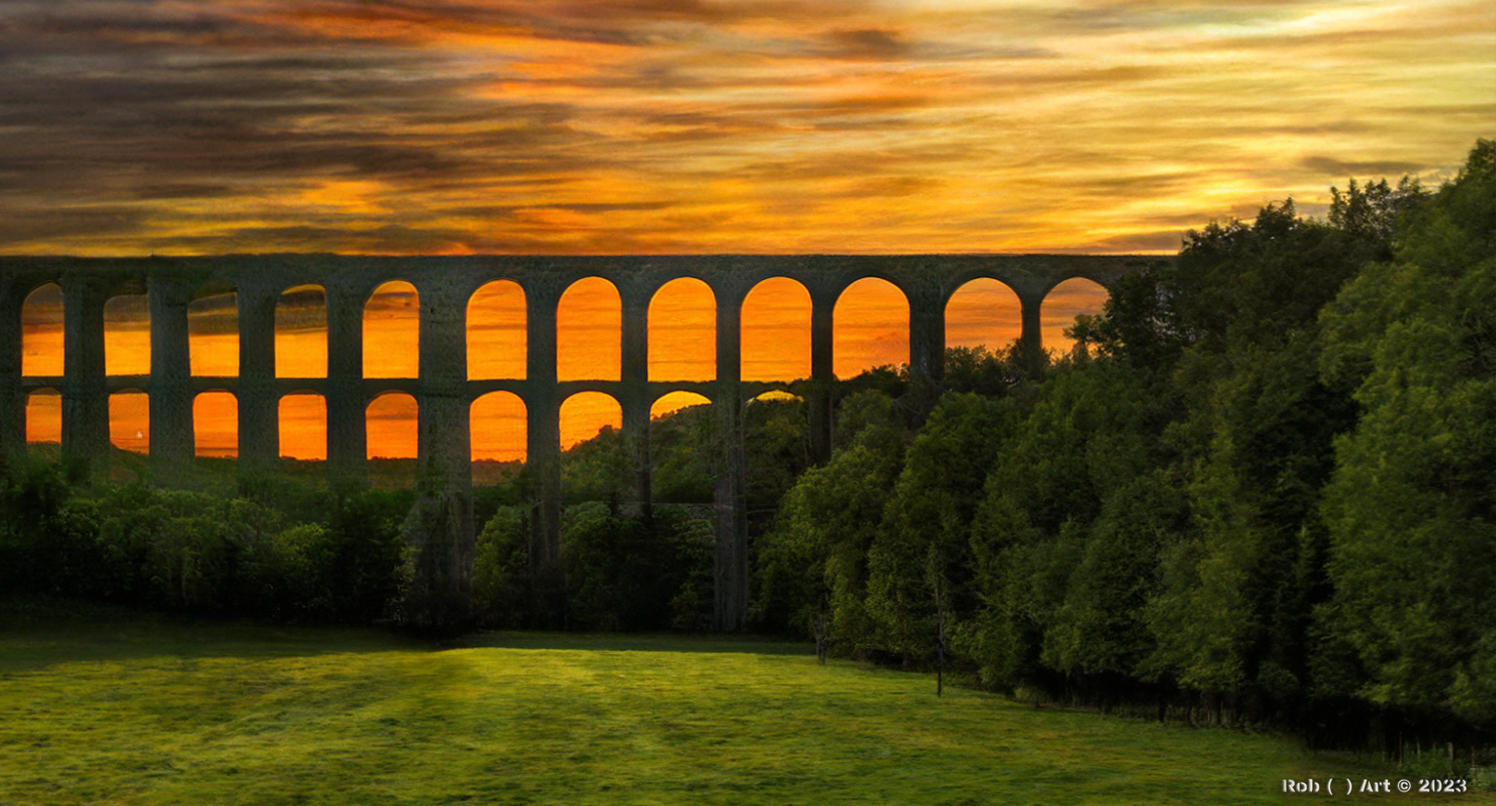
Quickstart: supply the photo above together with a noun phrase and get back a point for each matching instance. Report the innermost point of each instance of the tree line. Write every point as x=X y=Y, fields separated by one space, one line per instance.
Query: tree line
x=1262 y=489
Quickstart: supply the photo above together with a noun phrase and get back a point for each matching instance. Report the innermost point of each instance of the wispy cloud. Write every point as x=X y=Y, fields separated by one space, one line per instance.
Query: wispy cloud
x=168 y=126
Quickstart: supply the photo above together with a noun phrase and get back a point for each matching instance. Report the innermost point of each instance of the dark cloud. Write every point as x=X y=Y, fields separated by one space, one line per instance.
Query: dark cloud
x=183 y=118
x=1343 y=168
x=866 y=43
x=1158 y=241
x=21 y=224
x=389 y=239
x=1081 y=77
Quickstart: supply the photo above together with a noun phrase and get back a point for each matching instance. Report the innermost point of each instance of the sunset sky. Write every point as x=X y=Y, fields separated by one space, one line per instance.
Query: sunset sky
x=633 y=126
x=130 y=127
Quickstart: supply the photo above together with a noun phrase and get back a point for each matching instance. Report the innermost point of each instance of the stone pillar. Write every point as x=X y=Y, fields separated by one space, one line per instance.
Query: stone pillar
x=445 y=442
x=12 y=396
x=926 y=333
x=543 y=450
x=926 y=349
x=170 y=388
x=440 y=529
x=1030 y=338
x=259 y=403
x=823 y=379
x=85 y=399
x=730 y=604
x=635 y=388
x=347 y=448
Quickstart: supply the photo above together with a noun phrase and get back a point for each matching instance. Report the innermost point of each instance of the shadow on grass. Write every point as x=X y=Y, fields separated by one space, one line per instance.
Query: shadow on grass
x=630 y=642
x=40 y=632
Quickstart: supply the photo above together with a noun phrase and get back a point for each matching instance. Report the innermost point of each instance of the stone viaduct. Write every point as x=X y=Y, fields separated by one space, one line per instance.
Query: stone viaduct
x=442 y=389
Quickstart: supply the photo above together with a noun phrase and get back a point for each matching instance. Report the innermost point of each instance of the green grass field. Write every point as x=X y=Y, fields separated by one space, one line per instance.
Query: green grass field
x=103 y=707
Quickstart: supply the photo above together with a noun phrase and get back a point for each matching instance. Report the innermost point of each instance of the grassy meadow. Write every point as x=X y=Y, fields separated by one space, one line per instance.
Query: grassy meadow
x=100 y=706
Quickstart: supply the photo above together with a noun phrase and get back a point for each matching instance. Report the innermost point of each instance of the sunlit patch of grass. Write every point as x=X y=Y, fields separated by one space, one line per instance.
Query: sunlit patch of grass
x=102 y=707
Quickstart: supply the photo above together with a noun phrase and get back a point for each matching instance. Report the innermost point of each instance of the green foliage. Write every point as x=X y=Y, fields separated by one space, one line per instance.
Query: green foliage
x=46 y=540
x=920 y=563
x=814 y=560
x=628 y=573
x=202 y=553
x=600 y=469
x=620 y=572
x=1101 y=626
x=435 y=582
x=1263 y=485
x=503 y=590
x=1411 y=509
x=685 y=453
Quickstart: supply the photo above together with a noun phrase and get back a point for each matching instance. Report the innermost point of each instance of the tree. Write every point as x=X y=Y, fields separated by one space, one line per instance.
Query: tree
x=1412 y=506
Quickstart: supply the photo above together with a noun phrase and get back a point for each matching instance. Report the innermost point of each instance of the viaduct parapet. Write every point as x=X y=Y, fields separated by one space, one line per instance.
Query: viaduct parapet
x=442 y=389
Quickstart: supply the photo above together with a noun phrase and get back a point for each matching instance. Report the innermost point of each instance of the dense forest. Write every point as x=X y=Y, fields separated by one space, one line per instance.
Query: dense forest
x=1261 y=490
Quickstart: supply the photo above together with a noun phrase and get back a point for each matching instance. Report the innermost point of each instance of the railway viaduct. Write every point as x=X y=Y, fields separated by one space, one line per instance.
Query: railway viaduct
x=442 y=388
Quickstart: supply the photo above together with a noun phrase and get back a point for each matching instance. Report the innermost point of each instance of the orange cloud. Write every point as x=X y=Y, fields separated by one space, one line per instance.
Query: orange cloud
x=698 y=126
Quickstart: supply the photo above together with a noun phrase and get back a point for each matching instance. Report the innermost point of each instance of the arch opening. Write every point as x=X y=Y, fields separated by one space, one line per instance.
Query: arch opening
x=775 y=331
x=44 y=417
x=303 y=426
x=589 y=332
x=213 y=335
x=684 y=442
x=392 y=331
x=870 y=327
x=596 y=463
x=672 y=402
x=41 y=332
x=497 y=335
x=778 y=396
x=215 y=424
x=301 y=333
x=499 y=436
x=392 y=426
x=127 y=335
x=683 y=332
x=584 y=415
x=1074 y=297
x=130 y=421
x=983 y=313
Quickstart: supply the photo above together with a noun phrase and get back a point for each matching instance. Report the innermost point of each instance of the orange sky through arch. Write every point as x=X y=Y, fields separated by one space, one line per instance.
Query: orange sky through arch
x=391 y=424
x=1062 y=304
x=301 y=333
x=589 y=332
x=127 y=335
x=213 y=335
x=130 y=421
x=683 y=332
x=392 y=331
x=303 y=426
x=671 y=402
x=584 y=414
x=775 y=331
x=983 y=312
x=44 y=416
x=215 y=421
x=41 y=332
x=870 y=327
x=498 y=428
x=496 y=334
